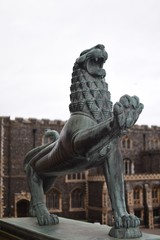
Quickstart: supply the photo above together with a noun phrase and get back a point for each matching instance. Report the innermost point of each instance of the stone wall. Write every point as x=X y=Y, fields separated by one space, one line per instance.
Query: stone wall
x=17 y=138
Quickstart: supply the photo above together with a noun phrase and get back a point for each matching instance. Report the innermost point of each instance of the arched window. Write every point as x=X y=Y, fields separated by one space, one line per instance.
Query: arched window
x=53 y=200
x=128 y=166
x=77 y=198
x=137 y=195
x=126 y=143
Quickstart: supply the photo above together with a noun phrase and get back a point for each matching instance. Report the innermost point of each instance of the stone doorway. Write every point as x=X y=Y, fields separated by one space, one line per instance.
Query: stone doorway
x=23 y=208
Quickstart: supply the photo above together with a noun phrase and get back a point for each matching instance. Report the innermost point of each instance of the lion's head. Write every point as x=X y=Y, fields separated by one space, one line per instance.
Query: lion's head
x=92 y=60
x=89 y=91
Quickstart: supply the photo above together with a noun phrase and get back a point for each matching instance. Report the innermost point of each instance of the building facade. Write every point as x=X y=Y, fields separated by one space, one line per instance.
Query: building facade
x=83 y=195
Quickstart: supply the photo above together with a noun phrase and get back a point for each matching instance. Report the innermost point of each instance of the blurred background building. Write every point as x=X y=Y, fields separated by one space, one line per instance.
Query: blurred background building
x=84 y=195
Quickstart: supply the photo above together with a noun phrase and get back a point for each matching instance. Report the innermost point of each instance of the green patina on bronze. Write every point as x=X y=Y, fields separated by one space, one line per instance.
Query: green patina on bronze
x=90 y=138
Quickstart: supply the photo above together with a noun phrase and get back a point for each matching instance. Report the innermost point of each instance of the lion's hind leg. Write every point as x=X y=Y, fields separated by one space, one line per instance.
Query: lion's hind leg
x=38 y=207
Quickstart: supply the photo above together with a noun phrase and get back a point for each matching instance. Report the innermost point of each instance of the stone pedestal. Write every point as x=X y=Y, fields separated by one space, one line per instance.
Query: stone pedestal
x=67 y=229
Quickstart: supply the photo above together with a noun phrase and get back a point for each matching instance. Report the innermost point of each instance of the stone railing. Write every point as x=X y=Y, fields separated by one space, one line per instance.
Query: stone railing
x=132 y=177
x=138 y=177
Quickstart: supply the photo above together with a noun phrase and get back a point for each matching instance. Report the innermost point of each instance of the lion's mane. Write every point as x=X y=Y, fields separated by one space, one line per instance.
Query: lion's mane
x=89 y=95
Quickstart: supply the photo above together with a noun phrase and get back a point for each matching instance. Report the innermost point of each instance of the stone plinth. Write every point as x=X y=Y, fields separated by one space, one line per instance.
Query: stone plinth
x=28 y=229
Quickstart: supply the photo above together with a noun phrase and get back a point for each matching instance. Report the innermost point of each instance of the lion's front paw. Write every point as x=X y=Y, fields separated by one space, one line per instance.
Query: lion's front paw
x=44 y=217
x=47 y=219
x=127 y=111
x=127 y=221
x=126 y=227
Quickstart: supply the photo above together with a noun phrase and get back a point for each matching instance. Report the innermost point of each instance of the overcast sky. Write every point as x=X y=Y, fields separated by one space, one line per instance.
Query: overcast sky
x=41 y=39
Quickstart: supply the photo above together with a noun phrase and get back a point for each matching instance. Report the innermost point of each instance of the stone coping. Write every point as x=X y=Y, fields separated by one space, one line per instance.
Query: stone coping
x=67 y=229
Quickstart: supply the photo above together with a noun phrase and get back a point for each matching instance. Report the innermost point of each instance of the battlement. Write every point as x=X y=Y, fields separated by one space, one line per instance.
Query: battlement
x=59 y=122
x=146 y=127
x=56 y=122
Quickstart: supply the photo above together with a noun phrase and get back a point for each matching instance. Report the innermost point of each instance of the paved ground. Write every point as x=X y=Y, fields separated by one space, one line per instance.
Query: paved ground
x=155 y=231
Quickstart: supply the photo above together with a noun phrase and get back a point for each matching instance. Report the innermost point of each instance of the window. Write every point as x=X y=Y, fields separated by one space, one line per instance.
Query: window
x=53 y=200
x=128 y=166
x=153 y=144
x=156 y=215
x=76 y=176
x=77 y=198
x=137 y=195
x=155 y=194
x=126 y=143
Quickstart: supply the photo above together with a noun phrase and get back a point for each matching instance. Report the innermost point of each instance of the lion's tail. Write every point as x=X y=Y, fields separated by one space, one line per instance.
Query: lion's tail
x=40 y=151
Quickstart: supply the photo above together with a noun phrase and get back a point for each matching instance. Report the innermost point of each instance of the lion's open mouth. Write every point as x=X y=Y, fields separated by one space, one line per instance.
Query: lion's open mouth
x=95 y=67
x=92 y=60
x=98 y=62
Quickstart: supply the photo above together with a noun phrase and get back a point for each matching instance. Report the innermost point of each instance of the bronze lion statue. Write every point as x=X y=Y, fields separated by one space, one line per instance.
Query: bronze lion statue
x=90 y=138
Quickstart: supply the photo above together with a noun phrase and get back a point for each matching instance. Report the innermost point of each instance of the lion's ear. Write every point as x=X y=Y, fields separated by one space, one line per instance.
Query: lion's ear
x=81 y=59
x=84 y=52
x=99 y=46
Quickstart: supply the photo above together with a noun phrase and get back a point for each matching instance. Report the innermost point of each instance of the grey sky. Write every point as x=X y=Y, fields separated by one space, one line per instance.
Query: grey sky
x=40 y=40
